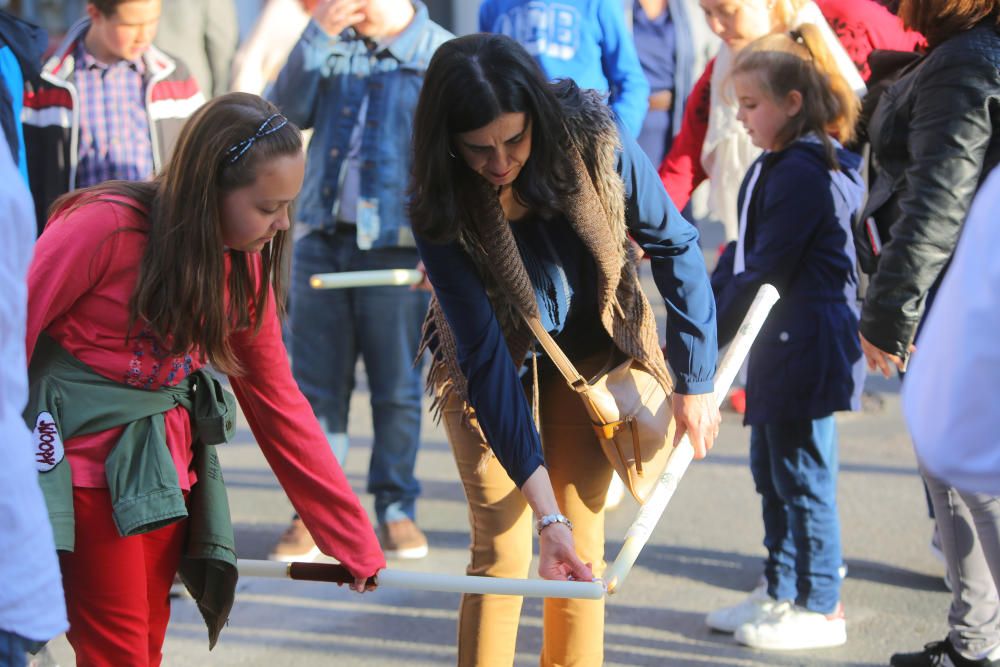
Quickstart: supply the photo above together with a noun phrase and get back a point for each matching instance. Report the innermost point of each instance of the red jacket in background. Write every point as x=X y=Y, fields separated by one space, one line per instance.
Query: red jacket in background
x=681 y=171
x=864 y=25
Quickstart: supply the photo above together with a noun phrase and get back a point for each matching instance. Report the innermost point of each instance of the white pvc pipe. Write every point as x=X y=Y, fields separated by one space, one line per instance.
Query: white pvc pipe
x=267 y=569
x=379 y=278
x=426 y=581
x=637 y=536
x=531 y=588
x=651 y=511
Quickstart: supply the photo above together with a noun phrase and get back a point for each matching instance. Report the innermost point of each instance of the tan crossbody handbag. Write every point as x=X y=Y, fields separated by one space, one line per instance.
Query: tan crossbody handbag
x=630 y=412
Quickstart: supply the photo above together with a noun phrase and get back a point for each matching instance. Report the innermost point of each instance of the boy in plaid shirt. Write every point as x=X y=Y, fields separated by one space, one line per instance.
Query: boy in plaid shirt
x=109 y=106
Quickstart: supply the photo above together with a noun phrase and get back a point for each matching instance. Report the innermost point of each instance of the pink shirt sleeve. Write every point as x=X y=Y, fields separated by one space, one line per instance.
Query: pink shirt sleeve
x=297 y=450
x=71 y=256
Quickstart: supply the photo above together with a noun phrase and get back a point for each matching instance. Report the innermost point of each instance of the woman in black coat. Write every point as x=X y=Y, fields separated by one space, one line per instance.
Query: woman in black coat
x=934 y=139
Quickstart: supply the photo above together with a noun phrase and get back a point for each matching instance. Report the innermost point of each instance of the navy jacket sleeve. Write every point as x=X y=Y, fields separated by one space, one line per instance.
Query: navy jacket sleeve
x=495 y=391
x=671 y=243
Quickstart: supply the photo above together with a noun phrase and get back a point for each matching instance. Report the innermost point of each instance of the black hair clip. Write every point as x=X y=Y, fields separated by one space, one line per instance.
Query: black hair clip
x=273 y=123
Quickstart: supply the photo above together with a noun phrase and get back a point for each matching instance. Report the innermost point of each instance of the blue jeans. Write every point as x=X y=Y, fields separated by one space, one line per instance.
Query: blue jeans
x=794 y=465
x=13 y=649
x=330 y=329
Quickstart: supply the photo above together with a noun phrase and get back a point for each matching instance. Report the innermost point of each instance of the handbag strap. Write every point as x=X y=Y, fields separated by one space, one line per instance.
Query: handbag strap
x=558 y=357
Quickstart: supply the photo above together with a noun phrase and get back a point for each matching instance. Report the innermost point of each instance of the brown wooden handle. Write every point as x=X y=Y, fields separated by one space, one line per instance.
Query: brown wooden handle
x=333 y=573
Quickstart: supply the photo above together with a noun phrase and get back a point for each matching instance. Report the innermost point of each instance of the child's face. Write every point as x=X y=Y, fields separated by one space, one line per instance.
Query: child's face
x=126 y=34
x=763 y=116
x=253 y=214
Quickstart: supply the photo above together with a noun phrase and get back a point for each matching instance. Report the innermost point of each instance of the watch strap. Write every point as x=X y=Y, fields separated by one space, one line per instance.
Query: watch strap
x=549 y=519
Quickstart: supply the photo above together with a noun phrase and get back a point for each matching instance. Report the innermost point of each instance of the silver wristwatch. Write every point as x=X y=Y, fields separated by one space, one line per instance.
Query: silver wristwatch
x=550 y=519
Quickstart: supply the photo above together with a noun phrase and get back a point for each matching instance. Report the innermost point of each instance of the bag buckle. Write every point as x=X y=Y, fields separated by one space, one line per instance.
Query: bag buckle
x=608 y=431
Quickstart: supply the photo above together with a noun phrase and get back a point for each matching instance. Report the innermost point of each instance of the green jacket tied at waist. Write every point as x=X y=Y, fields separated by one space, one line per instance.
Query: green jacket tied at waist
x=68 y=399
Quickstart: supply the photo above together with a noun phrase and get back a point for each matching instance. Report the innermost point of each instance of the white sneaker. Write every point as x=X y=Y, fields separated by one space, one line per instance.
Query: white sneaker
x=755 y=607
x=790 y=627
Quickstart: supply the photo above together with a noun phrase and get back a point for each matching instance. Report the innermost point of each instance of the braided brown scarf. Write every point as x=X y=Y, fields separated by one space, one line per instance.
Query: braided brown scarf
x=597 y=214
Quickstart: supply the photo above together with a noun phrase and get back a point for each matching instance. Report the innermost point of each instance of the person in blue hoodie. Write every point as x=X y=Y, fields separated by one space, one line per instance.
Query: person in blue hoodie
x=796 y=204
x=583 y=40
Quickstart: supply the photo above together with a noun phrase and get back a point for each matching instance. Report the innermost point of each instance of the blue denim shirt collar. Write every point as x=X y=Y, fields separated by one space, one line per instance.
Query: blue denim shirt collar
x=403 y=46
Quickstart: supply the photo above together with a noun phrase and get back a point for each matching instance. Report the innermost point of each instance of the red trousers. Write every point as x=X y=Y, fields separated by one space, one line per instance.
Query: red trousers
x=117 y=588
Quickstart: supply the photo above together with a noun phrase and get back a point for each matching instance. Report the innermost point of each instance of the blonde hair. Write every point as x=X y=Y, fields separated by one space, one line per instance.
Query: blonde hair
x=801 y=61
x=783 y=12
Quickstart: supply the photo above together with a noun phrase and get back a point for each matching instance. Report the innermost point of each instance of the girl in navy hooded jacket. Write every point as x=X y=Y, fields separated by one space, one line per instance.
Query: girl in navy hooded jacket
x=795 y=209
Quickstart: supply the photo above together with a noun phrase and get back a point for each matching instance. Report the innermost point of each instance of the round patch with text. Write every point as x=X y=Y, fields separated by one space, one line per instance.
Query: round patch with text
x=48 y=445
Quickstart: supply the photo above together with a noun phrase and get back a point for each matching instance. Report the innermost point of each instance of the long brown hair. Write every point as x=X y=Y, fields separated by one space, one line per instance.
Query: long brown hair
x=939 y=20
x=179 y=295
x=801 y=61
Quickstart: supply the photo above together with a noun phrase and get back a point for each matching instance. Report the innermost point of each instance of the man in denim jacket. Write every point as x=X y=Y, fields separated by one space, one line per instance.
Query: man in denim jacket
x=354 y=78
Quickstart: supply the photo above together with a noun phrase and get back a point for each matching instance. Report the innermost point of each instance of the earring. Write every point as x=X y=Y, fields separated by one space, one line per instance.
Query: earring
x=451 y=154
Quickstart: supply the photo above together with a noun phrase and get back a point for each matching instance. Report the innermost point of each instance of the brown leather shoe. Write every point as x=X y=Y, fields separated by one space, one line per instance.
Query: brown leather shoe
x=402 y=539
x=295 y=545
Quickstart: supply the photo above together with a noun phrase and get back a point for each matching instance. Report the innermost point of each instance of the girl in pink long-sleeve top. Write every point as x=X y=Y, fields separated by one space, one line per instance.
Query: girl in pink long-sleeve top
x=145 y=283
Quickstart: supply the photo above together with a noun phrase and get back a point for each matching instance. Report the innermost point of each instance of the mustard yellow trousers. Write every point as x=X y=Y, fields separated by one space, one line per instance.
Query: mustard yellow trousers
x=502 y=529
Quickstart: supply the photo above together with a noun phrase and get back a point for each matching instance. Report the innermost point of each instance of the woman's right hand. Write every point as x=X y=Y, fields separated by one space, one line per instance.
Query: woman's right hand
x=557 y=555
